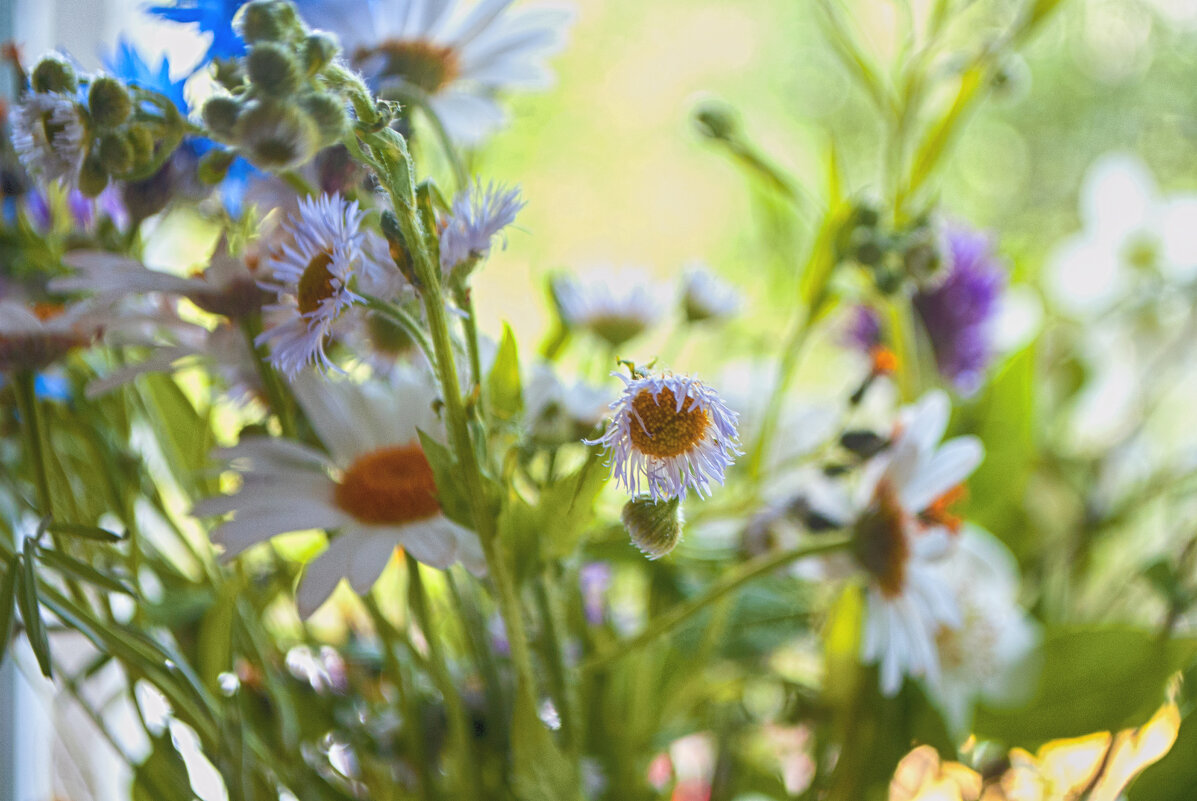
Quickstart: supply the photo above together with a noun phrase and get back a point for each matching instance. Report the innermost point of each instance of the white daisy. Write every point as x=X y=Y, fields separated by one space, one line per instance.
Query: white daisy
x=461 y=55
x=48 y=136
x=325 y=253
x=669 y=434
x=904 y=528
x=33 y=336
x=706 y=296
x=614 y=305
x=559 y=412
x=375 y=489
x=228 y=286
x=983 y=656
x=479 y=214
x=1129 y=230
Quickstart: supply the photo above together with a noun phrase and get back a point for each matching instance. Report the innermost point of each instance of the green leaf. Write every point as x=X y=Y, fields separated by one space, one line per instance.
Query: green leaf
x=82 y=571
x=86 y=532
x=503 y=388
x=8 y=602
x=163 y=775
x=1173 y=777
x=1092 y=679
x=540 y=772
x=181 y=431
x=567 y=507
x=449 y=486
x=215 y=651
x=31 y=614
x=932 y=150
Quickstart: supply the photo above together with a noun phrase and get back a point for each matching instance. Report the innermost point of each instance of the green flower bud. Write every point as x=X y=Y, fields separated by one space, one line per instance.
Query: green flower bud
x=141 y=143
x=229 y=73
x=655 y=526
x=328 y=112
x=220 y=115
x=116 y=153
x=716 y=121
x=276 y=136
x=319 y=49
x=215 y=165
x=52 y=74
x=272 y=70
x=92 y=175
x=866 y=246
x=926 y=257
x=109 y=102
x=269 y=21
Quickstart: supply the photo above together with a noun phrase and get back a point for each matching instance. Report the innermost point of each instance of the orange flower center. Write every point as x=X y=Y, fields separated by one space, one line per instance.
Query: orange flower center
x=880 y=543
x=47 y=311
x=389 y=486
x=316 y=283
x=940 y=513
x=421 y=63
x=884 y=360
x=659 y=429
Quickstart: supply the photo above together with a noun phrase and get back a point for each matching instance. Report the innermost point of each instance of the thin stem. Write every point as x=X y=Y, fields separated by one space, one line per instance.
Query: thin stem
x=731 y=582
x=465 y=302
x=402 y=318
x=786 y=367
x=271 y=385
x=27 y=405
x=417 y=97
x=556 y=664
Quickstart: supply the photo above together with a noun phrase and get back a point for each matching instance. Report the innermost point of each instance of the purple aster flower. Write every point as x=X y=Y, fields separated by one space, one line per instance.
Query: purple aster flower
x=479 y=214
x=958 y=313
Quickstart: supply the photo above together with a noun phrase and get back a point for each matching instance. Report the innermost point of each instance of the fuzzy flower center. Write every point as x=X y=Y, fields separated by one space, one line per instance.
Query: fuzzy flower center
x=316 y=283
x=660 y=429
x=389 y=486
x=880 y=543
x=424 y=64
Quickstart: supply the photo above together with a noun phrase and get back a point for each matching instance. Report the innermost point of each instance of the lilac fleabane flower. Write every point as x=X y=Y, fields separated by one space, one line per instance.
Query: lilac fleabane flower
x=479 y=214
x=82 y=209
x=863 y=330
x=209 y=16
x=958 y=314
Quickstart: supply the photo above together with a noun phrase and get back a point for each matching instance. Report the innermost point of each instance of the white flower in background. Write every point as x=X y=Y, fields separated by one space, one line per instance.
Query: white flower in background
x=614 y=305
x=479 y=214
x=375 y=490
x=706 y=296
x=460 y=55
x=325 y=252
x=558 y=411
x=48 y=136
x=228 y=286
x=904 y=528
x=33 y=336
x=669 y=434
x=982 y=657
x=1128 y=231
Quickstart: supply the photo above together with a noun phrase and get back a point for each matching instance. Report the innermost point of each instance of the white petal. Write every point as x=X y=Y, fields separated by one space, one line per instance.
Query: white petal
x=322 y=575
x=955 y=461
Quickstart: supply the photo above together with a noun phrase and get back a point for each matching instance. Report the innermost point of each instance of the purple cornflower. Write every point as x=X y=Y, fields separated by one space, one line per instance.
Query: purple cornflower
x=958 y=314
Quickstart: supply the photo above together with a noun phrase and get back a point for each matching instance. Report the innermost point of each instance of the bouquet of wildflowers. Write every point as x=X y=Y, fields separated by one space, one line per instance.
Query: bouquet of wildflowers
x=281 y=503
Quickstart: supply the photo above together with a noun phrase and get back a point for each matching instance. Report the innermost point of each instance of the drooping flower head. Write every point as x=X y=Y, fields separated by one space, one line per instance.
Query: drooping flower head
x=375 y=488
x=324 y=249
x=905 y=525
x=459 y=55
x=958 y=313
x=614 y=305
x=48 y=136
x=706 y=296
x=668 y=435
x=479 y=215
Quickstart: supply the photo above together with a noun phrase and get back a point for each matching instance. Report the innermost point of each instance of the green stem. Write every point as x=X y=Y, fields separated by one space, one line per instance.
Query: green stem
x=465 y=302
x=417 y=97
x=468 y=767
x=556 y=665
x=748 y=571
x=23 y=383
x=406 y=321
x=788 y=364
x=271 y=385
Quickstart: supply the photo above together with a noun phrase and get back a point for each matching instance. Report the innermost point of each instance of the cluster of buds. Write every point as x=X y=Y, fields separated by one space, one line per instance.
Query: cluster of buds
x=89 y=130
x=278 y=110
x=915 y=253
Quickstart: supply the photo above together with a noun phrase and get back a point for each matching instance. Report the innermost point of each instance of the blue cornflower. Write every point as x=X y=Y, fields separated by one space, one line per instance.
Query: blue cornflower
x=210 y=16
x=127 y=64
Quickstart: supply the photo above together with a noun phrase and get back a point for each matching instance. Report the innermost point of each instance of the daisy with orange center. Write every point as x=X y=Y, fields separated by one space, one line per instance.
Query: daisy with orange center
x=374 y=492
x=904 y=528
x=669 y=434
x=35 y=336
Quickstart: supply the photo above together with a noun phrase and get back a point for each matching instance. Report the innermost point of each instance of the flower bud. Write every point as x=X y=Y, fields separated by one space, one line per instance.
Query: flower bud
x=116 y=153
x=272 y=70
x=52 y=74
x=229 y=73
x=141 y=144
x=927 y=259
x=328 y=112
x=220 y=115
x=389 y=224
x=93 y=178
x=268 y=21
x=319 y=49
x=215 y=165
x=109 y=102
x=655 y=526
x=276 y=136
x=716 y=121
